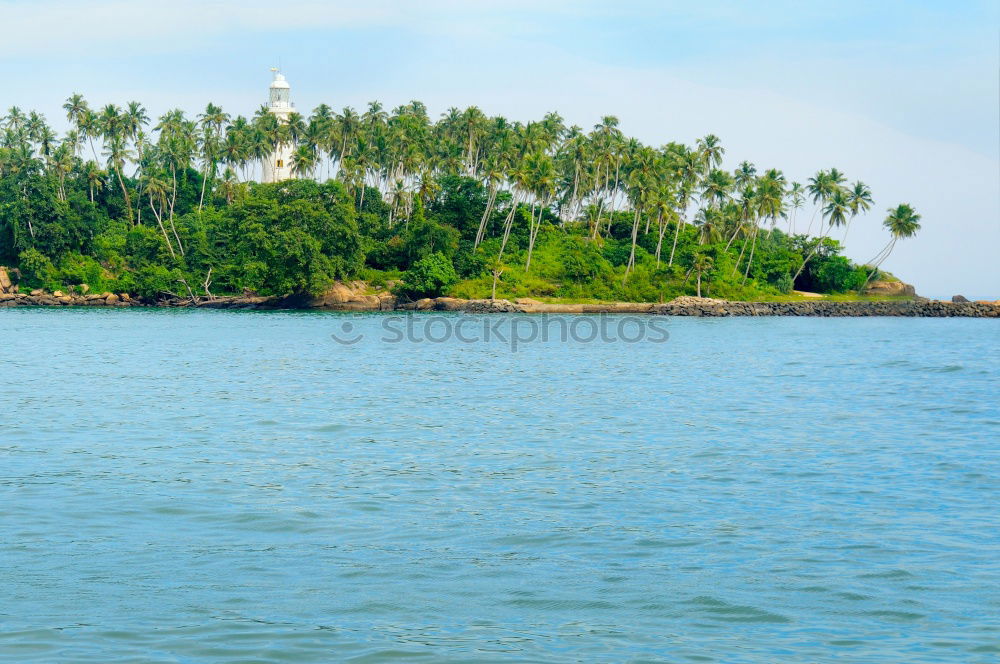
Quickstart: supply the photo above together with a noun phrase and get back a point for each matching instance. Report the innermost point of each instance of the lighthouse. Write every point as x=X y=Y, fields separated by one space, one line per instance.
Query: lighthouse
x=278 y=166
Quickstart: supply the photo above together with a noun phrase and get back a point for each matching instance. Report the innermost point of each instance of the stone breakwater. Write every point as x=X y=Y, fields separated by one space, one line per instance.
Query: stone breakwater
x=682 y=306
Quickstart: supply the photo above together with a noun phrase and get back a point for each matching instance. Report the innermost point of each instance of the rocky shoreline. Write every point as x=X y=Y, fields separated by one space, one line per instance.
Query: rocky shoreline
x=346 y=299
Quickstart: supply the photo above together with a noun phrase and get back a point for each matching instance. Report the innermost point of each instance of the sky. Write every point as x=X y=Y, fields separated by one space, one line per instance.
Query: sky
x=903 y=95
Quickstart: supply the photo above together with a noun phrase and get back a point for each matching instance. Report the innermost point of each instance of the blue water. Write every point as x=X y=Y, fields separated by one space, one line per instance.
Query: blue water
x=194 y=486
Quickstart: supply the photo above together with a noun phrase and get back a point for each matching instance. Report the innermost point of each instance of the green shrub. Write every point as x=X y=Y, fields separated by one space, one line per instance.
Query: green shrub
x=429 y=277
x=784 y=284
x=37 y=269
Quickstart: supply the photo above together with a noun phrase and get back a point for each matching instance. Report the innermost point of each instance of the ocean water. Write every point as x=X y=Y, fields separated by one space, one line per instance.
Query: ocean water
x=195 y=486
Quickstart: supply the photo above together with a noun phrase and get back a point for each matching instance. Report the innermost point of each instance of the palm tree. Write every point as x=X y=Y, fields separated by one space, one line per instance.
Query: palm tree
x=902 y=222
x=835 y=212
x=716 y=187
x=303 y=161
x=711 y=152
x=745 y=175
x=212 y=122
x=541 y=182
x=795 y=199
x=156 y=189
x=76 y=108
x=112 y=128
x=702 y=264
x=860 y=201
x=689 y=170
x=95 y=177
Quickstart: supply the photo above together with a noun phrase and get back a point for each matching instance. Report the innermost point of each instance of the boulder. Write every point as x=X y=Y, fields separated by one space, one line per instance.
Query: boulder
x=959 y=298
x=449 y=304
x=36 y=292
x=424 y=304
x=58 y=293
x=338 y=294
x=890 y=288
x=125 y=297
x=111 y=298
x=5 y=283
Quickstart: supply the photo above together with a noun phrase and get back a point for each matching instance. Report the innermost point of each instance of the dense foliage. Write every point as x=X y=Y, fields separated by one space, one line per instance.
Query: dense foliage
x=467 y=205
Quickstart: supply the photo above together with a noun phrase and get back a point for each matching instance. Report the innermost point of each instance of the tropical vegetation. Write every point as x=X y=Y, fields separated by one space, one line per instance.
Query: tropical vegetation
x=469 y=205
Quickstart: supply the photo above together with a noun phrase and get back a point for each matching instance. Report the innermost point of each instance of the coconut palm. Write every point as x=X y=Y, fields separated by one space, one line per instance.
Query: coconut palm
x=701 y=265
x=795 y=198
x=541 y=182
x=116 y=149
x=859 y=199
x=902 y=222
x=212 y=123
x=304 y=160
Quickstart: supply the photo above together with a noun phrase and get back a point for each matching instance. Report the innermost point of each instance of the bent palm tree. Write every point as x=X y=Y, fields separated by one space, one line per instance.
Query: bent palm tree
x=902 y=222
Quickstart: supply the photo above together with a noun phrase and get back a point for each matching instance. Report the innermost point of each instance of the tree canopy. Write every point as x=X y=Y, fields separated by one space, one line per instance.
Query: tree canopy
x=123 y=202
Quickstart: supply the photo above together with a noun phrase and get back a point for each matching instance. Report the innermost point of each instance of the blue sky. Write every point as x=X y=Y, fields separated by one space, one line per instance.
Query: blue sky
x=903 y=95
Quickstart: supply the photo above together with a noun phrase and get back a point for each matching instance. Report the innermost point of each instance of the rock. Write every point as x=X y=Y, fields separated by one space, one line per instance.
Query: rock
x=37 y=292
x=493 y=307
x=5 y=283
x=338 y=294
x=93 y=296
x=83 y=288
x=890 y=288
x=526 y=300
x=58 y=293
x=424 y=304
x=449 y=304
x=691 y=300
x=111 y=298
x=959 y=298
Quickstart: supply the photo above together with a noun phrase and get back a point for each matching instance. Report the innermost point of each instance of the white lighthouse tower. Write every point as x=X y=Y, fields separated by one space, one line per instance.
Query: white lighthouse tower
x=278 y=166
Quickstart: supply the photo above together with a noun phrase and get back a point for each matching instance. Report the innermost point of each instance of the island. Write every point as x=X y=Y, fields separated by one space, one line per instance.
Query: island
x=398 y=210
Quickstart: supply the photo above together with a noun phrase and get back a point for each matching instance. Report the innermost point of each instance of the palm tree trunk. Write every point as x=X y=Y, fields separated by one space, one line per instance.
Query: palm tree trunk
x=597 y=222
x=812 y=220
x=486 y=214
x=507 y=224
x=128 y=200
x=159 y=221
x=201 y=199
x=811 y=254
x=677 y=232
x=635 y=234
x=753 y=246
x=533 y=233
x=732 y=237
x=884 y=254
x=739 y=259
x=173 y=200
x=662 y=228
